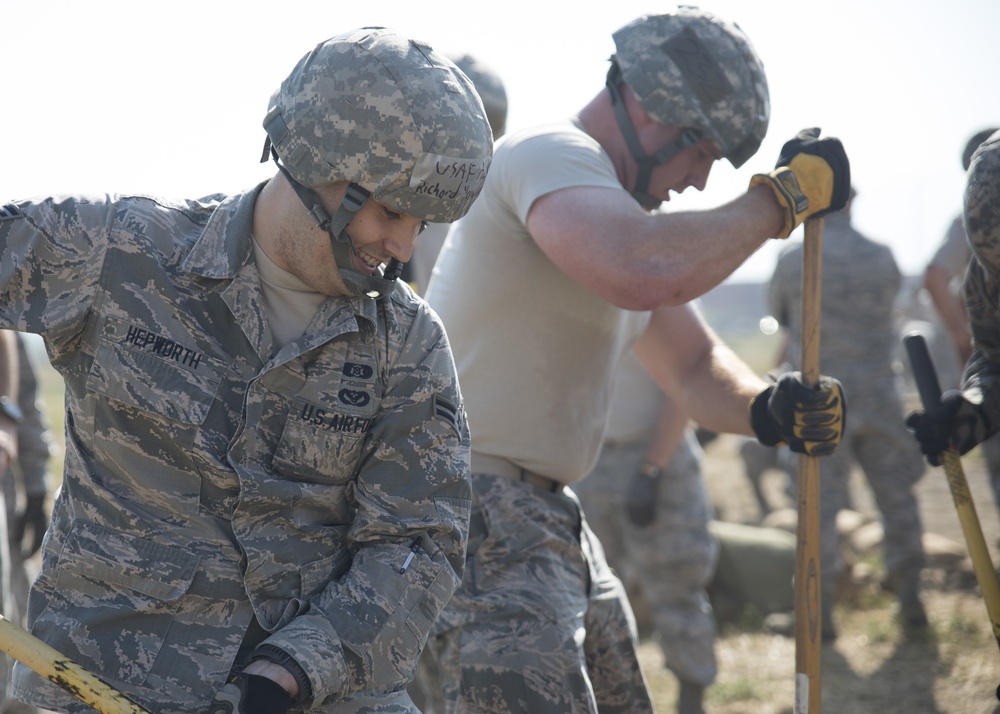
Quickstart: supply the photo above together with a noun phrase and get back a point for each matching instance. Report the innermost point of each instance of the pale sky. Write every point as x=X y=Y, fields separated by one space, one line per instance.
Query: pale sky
x=167 y=98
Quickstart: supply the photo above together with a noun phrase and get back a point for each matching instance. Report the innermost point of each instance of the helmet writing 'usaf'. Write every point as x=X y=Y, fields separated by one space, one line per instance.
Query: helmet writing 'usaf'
x=388 y=115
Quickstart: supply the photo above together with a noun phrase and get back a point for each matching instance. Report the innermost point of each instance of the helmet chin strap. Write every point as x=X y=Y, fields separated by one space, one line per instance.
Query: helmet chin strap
x=646 y=162
x=374 y=286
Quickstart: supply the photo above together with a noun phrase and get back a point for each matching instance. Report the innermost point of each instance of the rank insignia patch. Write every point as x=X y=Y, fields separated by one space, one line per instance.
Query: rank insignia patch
x=447 y=412
x=9 y=212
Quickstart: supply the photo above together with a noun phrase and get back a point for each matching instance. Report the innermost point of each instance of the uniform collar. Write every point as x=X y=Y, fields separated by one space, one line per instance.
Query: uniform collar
x=225 y=247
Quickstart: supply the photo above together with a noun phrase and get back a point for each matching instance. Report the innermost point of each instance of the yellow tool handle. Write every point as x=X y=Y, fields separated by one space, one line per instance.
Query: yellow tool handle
x=982 y=564
x=925 y=376
x=63 y=672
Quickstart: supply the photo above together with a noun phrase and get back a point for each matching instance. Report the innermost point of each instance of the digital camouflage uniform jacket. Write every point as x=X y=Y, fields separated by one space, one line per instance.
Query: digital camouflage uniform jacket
x=981 y=380
x=324 y=489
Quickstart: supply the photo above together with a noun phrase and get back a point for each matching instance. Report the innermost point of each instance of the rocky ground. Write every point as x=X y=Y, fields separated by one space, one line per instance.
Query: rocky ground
x=954 y=668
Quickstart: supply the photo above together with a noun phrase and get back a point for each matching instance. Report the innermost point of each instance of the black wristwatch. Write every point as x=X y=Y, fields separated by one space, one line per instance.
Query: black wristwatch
x=10 y=410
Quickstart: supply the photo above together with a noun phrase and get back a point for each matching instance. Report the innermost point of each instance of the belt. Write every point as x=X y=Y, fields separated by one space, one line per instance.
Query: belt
x=483 y=464
x=622 y=443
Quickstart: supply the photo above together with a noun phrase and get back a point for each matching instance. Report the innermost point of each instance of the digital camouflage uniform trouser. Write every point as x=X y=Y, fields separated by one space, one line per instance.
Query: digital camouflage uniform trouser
x=540 y=623
x=672 y=559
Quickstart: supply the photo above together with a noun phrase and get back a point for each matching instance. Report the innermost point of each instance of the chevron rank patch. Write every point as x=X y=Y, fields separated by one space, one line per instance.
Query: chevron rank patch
x=9 y=212
x=447 y=412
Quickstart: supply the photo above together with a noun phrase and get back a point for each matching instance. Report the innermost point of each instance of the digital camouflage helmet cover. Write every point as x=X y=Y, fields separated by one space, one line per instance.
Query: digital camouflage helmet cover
x=390 y=116
x=691 y=69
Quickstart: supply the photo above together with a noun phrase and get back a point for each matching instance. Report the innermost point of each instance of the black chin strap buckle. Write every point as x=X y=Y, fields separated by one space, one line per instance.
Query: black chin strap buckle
x=355 y=196
x=645 y=162
x=354 y=199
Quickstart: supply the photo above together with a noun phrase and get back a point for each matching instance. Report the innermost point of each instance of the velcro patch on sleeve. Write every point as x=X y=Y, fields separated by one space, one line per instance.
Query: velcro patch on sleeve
x=9 y=212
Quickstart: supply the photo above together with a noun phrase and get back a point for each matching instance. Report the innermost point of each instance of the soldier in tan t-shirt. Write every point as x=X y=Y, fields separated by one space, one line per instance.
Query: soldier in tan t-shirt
x=561 y=266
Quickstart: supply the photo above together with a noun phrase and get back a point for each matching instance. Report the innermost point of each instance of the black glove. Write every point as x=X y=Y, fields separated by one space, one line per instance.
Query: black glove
x=640 y=499
x=809 y=419
x=955 y=423
x=33 y=516
x=252 y=694
x=812 y=178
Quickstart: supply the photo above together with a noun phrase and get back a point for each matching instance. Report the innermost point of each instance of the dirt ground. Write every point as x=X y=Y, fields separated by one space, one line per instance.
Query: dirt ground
x=872 y=666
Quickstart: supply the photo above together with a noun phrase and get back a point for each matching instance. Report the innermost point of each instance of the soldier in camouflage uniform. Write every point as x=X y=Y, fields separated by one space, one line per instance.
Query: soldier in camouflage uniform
x=943 y=279
x=555 y=273
x=646 y=501
x=266 y=493
x=970 y=415
x=25 y=489
x=859 y=338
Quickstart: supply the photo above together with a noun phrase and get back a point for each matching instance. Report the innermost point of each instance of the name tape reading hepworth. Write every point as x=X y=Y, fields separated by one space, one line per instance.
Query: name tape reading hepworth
x=162 y=346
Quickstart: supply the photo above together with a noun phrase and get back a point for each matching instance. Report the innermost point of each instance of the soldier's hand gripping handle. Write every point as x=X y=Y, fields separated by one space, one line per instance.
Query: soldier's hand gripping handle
x=251 y=694
x=954 y=422
x=811 y=178
x=809 y=419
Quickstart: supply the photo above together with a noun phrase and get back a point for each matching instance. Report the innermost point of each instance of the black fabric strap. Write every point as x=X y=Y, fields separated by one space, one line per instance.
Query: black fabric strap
x=646 y=162
x=373 y=286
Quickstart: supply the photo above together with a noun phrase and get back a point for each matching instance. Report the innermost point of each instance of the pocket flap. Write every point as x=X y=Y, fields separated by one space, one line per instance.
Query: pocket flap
x=111 y=556
x=174 y=388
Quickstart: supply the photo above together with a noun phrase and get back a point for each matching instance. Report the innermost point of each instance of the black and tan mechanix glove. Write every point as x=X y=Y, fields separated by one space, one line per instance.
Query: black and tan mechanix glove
x=812 y=178
x=809 y=419
x=956 y=423
x=251 y=694
x=31 y=519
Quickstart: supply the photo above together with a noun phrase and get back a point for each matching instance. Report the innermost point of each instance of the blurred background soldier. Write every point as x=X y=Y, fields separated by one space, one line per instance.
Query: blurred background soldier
x=25 y=489
x=647 y=503
x=858 y=343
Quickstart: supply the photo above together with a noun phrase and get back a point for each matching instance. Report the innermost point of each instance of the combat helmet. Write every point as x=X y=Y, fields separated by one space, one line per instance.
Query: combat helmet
x=982 y=204
x=394 y=119
x=491 y=91
x=973 y=143
x=690 y=68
